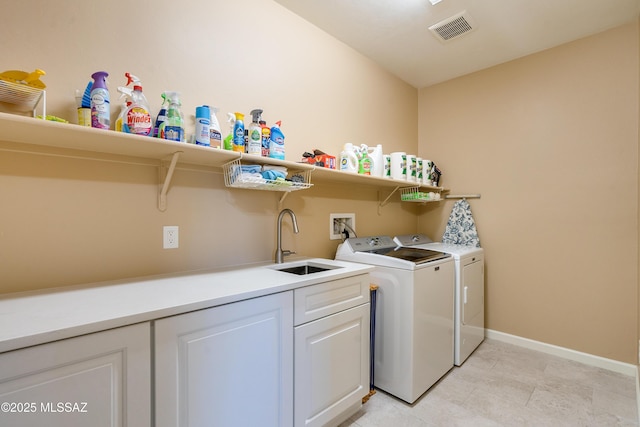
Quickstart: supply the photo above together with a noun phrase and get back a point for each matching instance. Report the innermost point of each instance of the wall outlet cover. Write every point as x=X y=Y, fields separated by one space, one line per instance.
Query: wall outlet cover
x=170 y=237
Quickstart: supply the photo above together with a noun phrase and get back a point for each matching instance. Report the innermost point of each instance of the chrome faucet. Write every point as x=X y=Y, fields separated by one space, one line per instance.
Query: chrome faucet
x=280 y=254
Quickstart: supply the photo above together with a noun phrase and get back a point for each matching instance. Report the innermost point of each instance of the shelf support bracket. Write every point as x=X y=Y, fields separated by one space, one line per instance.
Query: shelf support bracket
x=384 y=202
x=165 y=175
x=284 y=196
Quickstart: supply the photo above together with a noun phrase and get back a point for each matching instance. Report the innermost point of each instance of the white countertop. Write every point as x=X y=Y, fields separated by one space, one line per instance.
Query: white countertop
x=31 y=318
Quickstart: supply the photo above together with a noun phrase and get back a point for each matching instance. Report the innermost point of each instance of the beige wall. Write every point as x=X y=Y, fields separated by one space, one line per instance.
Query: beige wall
x=551 y=143
x=67 y=221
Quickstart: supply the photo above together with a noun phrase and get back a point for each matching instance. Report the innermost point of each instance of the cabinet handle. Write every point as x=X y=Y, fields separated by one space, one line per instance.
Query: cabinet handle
x=437 y=268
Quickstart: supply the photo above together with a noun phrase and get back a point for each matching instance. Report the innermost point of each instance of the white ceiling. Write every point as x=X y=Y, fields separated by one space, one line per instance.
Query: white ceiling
x=395 y=34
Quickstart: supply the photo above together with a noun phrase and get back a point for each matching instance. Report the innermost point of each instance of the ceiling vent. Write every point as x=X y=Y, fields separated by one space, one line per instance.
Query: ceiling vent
x=453 y=27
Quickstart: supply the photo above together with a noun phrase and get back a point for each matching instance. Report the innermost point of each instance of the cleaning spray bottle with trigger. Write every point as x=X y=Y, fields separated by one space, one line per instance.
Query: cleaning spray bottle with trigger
x=161 y=117
x=276 y=149
x=215 y=133
x=100 y=106
x=173 y=128
x=137 y=117
x=126 y=94
x=255 y=133
x=228 y=140
x=266 y=137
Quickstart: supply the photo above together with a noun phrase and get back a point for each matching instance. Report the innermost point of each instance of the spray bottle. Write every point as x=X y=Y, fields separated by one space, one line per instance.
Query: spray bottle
x=215 y=134
x=228 y=140
x=162 y=116
x=255 y=133
x=276 y=148
x=100 y=107
x=173 y=128
x=238 y=133
x=126 y=94
x=137 y=117
x=266 y=137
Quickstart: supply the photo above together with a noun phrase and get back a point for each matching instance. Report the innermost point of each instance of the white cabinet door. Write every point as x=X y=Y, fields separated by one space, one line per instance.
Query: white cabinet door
x=100 y=379
x=331 y=366
x=230 y=365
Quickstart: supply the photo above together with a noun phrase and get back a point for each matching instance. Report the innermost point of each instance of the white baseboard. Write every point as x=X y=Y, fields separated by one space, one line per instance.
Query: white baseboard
x=586 y=358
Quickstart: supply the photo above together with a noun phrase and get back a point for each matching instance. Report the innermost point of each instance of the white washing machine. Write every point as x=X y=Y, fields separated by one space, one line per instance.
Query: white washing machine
x=414 y=313
x=469 y=291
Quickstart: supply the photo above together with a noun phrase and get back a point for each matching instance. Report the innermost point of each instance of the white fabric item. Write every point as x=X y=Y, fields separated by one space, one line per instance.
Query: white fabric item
x=461 y=228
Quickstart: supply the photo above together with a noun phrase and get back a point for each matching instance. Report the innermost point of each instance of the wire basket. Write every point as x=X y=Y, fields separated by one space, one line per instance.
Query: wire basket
x=413 y=194
x=235 y=177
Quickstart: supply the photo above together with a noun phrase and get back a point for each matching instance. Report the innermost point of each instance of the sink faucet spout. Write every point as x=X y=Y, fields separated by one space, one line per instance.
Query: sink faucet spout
x=280 y=253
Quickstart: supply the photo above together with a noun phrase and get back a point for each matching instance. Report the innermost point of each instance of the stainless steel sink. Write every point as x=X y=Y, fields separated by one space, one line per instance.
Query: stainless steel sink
x=306 y=269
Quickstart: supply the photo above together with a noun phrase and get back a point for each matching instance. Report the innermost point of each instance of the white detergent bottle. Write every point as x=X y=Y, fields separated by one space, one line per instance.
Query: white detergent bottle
x=349 y=159
x=377 y=161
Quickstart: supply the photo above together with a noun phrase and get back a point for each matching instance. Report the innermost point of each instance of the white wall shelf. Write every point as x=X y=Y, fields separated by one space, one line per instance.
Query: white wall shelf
x=25 y=134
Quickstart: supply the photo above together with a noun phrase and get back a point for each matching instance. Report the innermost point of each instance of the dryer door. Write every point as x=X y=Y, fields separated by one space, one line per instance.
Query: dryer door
x=473 y=294
x=470 y=332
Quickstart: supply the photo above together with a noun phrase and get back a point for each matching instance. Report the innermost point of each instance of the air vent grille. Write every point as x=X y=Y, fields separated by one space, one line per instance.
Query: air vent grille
x=452 y=27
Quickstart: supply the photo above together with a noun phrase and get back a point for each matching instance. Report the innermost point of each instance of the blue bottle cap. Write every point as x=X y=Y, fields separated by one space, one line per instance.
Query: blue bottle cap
x=203 y=112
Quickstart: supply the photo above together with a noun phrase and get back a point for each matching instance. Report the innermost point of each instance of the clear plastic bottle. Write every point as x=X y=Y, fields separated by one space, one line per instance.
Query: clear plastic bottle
x=228 y=140
x=173 y=128
x=137 y=118
x=126 y=95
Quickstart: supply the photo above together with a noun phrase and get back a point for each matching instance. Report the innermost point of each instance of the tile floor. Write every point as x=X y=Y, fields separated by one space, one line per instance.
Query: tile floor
x=506 y=385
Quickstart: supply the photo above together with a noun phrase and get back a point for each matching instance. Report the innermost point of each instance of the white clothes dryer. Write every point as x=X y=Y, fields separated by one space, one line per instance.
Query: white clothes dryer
x=413 y=346
x=469 y=291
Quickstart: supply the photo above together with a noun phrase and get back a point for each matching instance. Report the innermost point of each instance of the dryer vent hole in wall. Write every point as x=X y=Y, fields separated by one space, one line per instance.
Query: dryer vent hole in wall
x=342 y=226
x=170 y=237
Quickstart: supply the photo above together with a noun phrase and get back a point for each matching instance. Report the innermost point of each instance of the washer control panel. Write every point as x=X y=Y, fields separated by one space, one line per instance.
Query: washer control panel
x=369 y=243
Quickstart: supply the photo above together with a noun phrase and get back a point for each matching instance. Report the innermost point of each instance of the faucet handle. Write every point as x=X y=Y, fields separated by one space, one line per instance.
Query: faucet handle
x=286 y=252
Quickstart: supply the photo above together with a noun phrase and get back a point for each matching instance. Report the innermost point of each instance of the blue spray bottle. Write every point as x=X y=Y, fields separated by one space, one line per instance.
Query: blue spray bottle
x=162 y=116
x=276 y=149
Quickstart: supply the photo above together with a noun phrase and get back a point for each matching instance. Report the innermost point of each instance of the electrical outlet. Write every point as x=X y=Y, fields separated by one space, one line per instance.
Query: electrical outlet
x=338 y=222
x=170 y=237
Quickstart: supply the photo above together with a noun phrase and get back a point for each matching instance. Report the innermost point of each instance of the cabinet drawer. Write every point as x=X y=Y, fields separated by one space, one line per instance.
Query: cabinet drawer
x=324 y=299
